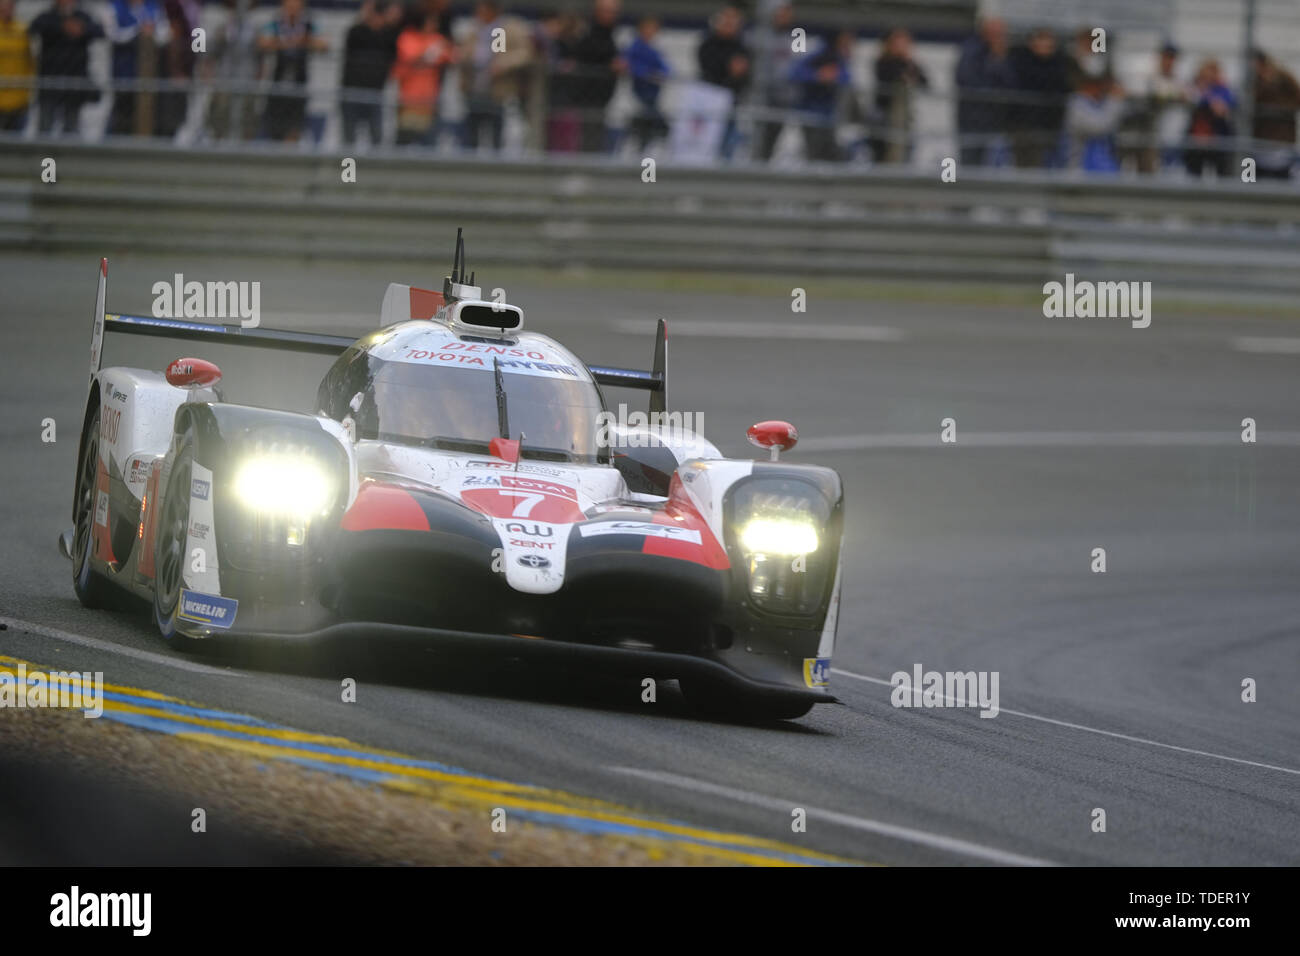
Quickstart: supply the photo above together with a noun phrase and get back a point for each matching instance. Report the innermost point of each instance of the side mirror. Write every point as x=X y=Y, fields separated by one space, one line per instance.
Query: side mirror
x=774 y=435
x=192 y=373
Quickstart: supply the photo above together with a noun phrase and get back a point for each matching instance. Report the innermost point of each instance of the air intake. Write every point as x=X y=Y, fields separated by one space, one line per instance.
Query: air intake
x=487 y=316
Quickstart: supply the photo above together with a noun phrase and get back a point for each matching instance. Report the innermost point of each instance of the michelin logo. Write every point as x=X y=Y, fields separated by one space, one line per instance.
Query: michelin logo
x=210 y=609
x=817 y=671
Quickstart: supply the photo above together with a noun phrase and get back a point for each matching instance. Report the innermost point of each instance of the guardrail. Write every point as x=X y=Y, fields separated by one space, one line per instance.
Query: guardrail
x=1192 y=239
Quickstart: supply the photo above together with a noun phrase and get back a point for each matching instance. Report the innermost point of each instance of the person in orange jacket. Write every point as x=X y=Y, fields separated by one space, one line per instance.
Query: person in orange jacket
x=422 y=53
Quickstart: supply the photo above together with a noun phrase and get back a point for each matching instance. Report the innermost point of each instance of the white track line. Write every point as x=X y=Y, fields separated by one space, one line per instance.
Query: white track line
x=924 y=838
x=1266 y=346
x=93 y=642
x=720 y=329
x=1226 y=437
x=1095 y=730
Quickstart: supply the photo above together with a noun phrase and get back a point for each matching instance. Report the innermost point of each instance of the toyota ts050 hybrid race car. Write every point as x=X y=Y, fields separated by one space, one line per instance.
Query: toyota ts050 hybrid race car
x=461 y=482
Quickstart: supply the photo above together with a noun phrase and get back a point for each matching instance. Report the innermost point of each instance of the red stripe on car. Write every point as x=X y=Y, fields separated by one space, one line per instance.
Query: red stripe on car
x=384 y=506
x=680 y=512
x=424 y=303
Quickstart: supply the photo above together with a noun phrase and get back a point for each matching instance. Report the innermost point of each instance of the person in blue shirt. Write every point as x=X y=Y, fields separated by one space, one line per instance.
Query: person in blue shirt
x=1213 y=125
x=138 y=30
x=822 y=79
x=649 y=70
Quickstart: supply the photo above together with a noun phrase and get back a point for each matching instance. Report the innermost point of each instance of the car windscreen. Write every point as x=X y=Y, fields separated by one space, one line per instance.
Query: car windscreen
x=456 y=408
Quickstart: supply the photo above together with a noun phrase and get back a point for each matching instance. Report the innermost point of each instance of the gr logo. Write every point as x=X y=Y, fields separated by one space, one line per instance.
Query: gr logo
x=200 y=488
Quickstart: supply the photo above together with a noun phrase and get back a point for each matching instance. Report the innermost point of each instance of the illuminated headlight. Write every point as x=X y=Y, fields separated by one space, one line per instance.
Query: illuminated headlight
x=785 y=536
x=783 y=542
x=293 y=486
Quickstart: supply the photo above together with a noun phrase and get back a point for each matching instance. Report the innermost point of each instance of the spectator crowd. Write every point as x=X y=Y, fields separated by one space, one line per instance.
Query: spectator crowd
x=1028 y=101
x=1036 y=104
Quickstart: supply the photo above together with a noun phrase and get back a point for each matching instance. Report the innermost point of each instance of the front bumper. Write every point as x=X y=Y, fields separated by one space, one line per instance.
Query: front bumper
x=615 y=661
x=636 y=613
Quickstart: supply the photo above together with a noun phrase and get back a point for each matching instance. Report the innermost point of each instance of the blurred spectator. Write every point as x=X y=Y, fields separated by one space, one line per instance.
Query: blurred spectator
x=535 y=80
x=1042 y=83
x=598 y=65
x=137 y=29
x=230 y=69
x=648 y=69
x=368 y=54
x=65 y=32
x=1277 y=97
x=1092 y=118
x=822 y=80
x=1211 y=129
x=726 y=62
x=440 y=10
x=1166 y=114
x=774 y=62
x=177 y=64
x=558 y=43
x=291 y=36
x=422 y=52
x=494 y=59
x=897 y=75
x=1085 y=64
x=16 y=66
x=983 y=79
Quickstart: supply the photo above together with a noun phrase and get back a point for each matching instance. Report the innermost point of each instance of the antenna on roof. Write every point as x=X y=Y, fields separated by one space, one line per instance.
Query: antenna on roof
x=460 y=284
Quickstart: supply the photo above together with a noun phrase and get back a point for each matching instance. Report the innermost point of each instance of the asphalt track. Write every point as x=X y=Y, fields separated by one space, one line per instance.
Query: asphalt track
x=1119 y=690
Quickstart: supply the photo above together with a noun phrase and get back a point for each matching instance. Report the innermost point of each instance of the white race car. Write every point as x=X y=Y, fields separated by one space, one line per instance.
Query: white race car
x=462 y=482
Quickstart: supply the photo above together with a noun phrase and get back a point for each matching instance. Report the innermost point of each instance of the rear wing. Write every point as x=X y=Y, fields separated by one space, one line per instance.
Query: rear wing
x=227 y=334
x=401 y=303
x=655 y=381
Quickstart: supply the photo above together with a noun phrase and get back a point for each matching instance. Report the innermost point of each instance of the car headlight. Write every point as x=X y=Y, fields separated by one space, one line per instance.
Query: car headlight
x=782 y=526
x=294 y=486
x=775 y=535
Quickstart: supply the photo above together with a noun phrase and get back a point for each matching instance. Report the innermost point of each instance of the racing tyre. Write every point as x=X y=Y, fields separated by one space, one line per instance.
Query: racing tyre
x=169 y=551
x=93 y=589
x=724 y=703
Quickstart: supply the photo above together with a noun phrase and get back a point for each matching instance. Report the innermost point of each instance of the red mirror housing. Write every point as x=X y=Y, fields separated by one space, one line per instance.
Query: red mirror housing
x=192 y=373
x=777 y=435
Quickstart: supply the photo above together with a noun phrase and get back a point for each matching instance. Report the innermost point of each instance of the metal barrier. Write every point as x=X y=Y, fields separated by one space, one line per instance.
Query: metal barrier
x=1223 y=240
